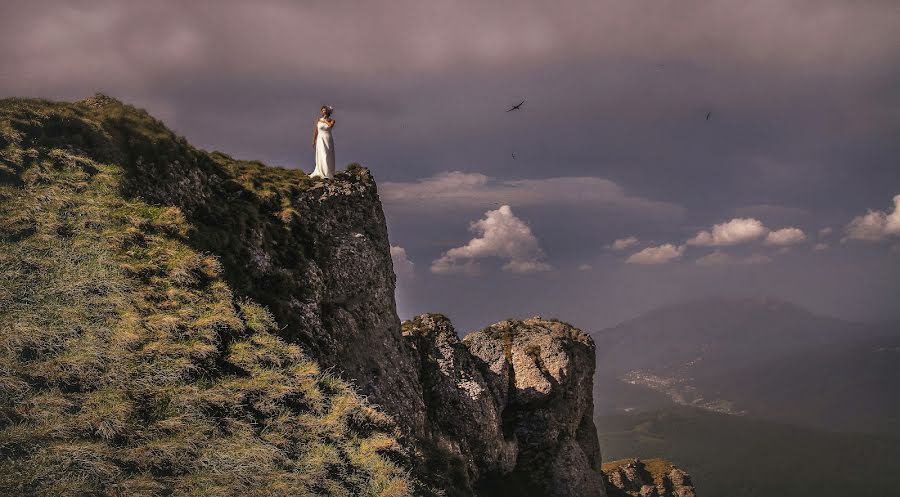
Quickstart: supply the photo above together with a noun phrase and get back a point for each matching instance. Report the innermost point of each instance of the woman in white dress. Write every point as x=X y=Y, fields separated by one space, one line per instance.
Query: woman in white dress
x=324 y=144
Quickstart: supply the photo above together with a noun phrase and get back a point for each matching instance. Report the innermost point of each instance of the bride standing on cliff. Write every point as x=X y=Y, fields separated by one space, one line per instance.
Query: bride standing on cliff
x=324 y=144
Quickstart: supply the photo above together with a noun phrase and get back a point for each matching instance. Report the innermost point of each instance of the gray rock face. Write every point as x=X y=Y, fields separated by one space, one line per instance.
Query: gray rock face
x=547 y=368
x=464 y=412
x=350 y=314
x=527 y=385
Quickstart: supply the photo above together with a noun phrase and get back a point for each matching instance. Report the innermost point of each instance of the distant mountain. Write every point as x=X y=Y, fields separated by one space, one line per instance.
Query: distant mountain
x=717 y=333
x=736 y=456
x=752 y=356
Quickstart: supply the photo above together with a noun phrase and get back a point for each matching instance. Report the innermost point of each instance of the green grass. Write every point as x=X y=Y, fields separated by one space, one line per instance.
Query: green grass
x=127 y=364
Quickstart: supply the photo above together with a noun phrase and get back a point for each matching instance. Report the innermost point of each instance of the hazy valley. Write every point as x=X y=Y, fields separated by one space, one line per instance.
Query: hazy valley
x=754 y=396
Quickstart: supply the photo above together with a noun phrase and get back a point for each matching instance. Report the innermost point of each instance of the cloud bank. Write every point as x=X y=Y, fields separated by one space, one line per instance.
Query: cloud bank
x=461 y=190
x=737 y=231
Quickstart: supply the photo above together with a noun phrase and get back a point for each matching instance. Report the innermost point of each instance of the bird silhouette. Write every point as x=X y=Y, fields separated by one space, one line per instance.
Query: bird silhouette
x=516 y=107
x=513 y=155
x=707 y=115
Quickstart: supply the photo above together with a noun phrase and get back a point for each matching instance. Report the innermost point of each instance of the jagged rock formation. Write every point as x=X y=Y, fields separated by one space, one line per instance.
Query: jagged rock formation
x=183 y=246
x=513 y=402
x=650 y=478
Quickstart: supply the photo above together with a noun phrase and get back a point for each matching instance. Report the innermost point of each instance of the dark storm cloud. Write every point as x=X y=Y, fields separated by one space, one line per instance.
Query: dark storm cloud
x=804 y=98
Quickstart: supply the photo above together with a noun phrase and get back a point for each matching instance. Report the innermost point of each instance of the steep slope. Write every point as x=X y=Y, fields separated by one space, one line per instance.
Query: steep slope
x=127 y=364
x=167 y=314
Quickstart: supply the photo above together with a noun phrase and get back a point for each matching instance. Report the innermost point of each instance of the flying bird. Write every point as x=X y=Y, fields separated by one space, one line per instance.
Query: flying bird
x=516 y=107
x=707 y=115
x=513 y=155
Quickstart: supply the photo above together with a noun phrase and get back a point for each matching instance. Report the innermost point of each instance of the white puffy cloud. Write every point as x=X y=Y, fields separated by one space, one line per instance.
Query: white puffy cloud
x=403 y=267
x=734 y=232
x=500 y=234
x=624 y=243
x=875 y=225
x=585 y=267
x=460 y=190
x=820 y=247
x=785 y=237
x=719 y=258
x=825 y=231
x=656 y=255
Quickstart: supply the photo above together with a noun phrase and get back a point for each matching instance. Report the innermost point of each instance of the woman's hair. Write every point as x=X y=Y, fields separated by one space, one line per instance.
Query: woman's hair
x=328 y=109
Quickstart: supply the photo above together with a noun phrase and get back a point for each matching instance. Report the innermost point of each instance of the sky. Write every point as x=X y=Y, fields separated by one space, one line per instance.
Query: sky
x=665 y=151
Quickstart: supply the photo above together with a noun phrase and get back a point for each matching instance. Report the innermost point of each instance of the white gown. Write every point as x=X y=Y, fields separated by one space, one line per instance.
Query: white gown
x=324 y=152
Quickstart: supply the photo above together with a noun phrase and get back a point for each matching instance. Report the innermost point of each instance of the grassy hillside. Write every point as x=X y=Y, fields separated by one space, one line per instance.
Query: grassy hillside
x=729 y=456
x=127 y=366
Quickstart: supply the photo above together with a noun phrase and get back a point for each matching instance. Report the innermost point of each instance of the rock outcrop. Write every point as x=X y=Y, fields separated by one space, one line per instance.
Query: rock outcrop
x=513 y=402
x=650 y=478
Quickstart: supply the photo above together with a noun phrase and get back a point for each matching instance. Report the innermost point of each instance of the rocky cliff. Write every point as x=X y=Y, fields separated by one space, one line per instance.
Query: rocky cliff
x=189 y=300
